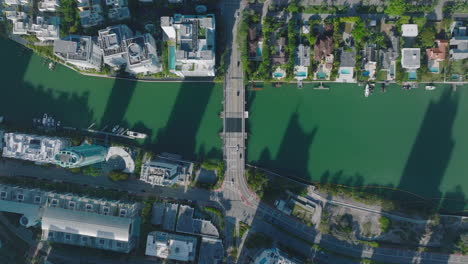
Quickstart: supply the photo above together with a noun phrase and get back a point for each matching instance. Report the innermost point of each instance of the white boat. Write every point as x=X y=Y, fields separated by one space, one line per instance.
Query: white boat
x=367 y=90
x=134 y=134
x=430 y=87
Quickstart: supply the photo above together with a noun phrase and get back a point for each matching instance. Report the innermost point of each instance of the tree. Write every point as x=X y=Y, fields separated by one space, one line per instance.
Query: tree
x=257 y=181
x=385 y=224
x=427 y=37
x=118 y=176
x=396 y=8
x=420 y=21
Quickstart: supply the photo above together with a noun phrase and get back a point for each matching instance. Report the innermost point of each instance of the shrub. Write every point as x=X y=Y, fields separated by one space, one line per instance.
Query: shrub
x=117 y=176
x=385 y=224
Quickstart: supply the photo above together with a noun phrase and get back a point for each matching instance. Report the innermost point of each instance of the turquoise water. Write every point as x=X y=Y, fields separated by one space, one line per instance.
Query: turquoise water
x=278 y=74
x=412 y=75
x=321 y=75
x=259 y=51
x=413 y=140
x=172 y=58
x=345 y=71
x=301 y=74
x=434 y=69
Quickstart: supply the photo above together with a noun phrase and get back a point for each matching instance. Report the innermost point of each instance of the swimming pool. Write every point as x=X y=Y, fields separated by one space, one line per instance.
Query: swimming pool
x=278 y=74
x=259 y=51
x=345 y=71
x=412 y=75
x=434 y=69
x=172 y=59
x=301 y=74
x=321 y=75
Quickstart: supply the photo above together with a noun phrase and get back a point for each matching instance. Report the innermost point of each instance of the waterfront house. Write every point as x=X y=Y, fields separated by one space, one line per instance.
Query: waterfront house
x=48 y=5
x=436 y=55
x=142 y=57
x=411 y=61
x=34 y=148
x=46 y=29
x=192 y=53
x=302 y=62
x=74 y=220
x=279 y=56
x=112 y=42
x=347 y=64
x=388 y=57
x=370 y=61
x=80 y=51
x=323 y=53
x=255 y=43
x=459 y=41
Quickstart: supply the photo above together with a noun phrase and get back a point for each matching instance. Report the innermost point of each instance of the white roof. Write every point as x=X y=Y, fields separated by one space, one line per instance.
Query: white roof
x=87 y=224
x=409 y=30
x=168 y=248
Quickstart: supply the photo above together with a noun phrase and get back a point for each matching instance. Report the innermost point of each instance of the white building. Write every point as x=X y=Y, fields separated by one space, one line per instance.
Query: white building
x=142 y=57
x=80 y=51
x=161 y=173
x=90 y=15
x=347 y=63
x=112 y=42
x=15 y=16
x=75 y=220
x=302 y=62
x=32 y=147
x=274 y=256
x=16 y=2
x=46 y=29
x=48 y=5
x=411 y=58
x=193 y=51
x=409 y=30
x=171 y=246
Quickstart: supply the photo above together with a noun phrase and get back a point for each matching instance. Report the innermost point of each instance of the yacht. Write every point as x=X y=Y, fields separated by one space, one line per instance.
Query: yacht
x=367 y=90
x=134 y=134
x=430 y=87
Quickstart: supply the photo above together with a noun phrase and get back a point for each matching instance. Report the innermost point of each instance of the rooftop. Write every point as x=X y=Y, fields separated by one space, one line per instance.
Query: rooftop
x=409 y=30
x=32 y=147
x=211 y=251
x=411 y=58
x=171 y=246
x=186 y=223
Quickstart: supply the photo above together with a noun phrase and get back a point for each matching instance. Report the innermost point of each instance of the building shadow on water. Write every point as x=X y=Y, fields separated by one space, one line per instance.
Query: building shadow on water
x=180 y=133
x=118 y=102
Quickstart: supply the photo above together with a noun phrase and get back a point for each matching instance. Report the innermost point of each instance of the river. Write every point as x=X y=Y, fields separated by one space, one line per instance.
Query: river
x=414 y=141
x=180 y=118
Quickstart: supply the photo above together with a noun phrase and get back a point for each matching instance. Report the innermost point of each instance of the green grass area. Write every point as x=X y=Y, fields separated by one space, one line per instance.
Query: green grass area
x=243 y=227
x=395 y=140
x=179 y=118
x=216 y=213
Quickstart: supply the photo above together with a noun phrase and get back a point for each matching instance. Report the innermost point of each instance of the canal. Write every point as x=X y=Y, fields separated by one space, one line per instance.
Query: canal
x=178 y=117
x=414 y=141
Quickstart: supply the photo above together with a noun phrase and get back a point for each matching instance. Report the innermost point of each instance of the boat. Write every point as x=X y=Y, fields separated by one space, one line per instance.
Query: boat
x=430 y=87
x=367 y=90
x=51 y=66
x=134 y=134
